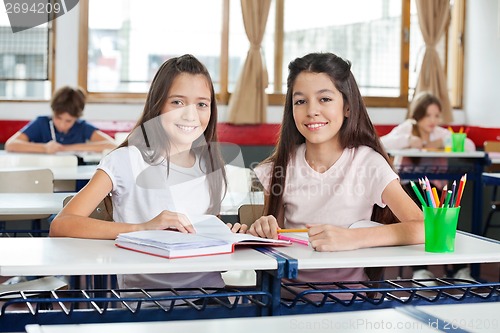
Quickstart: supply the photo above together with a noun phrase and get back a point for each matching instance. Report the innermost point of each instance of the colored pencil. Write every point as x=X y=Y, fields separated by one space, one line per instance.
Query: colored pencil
x=52 y=130
x=460 y=191
x=435 y=196
x=417 y=192
x=429 y=189
x=293 y=240
x=280 y=231
x=443 y=195
x=429 y=197
x=448 y=198
x=453 y=193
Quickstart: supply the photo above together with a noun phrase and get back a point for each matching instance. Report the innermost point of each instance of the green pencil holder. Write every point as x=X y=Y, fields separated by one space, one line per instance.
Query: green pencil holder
x=458 y=142
x=440 y=228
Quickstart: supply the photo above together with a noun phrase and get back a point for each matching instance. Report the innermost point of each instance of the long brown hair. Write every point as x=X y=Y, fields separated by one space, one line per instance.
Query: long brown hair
x=356 y=130
x=150 y=138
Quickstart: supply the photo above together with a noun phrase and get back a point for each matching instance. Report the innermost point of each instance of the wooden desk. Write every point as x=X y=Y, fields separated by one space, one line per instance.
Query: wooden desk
x=478 y=159
x=355 y=321
x=469 y=248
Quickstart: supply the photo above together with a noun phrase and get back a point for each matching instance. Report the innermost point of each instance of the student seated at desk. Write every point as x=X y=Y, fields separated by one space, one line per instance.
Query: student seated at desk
x=422 y=130
x=329 y=170
x=168 y=167
x=63 y=131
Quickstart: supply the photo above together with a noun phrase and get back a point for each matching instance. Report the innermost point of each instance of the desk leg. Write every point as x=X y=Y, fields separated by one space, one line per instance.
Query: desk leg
x=271 y=282
x=477 y=206
x=477 y=211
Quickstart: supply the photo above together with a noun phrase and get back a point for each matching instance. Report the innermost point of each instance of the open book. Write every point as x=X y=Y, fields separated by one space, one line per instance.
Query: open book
x=212 y=237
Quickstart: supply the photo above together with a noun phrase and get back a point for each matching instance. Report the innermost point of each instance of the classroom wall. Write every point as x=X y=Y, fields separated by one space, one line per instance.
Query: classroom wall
x=482 y=65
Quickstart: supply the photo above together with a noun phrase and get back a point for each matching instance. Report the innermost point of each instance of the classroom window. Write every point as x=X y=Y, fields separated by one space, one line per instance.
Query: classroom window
x=25 y=61
x=369 y=38
x=126 y=48
x=383 y=41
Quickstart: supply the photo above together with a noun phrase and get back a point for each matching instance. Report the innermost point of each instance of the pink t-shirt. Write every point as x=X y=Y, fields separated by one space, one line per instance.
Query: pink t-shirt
x=340 y=196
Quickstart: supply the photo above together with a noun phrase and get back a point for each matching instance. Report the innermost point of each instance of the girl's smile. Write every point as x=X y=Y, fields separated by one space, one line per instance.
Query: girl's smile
x=187 y=129
x=316 y=126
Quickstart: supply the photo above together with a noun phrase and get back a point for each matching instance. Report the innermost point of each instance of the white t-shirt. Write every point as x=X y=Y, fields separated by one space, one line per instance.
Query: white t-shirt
x=399 y=137
x=141 y=191
x=340 y=196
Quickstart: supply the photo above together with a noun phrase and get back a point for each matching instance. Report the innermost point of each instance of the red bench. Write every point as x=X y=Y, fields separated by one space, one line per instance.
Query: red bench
x=267 y=134
x=247 y=135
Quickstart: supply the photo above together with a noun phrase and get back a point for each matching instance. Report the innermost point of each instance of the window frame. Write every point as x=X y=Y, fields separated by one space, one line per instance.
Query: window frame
x=278 y=97
x=51 y=61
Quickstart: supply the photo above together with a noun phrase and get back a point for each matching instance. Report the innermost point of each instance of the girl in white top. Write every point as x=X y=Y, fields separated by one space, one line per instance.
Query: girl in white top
x=422 y=130
x=168 y=166
x=329 y=170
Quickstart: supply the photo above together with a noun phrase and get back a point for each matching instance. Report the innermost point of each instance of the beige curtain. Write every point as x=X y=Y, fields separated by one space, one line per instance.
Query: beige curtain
x=433 y=17
x=248 y=103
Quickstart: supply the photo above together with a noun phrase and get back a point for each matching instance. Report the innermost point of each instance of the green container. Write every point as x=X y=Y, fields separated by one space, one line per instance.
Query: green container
x=440 y=228
x=458 y=142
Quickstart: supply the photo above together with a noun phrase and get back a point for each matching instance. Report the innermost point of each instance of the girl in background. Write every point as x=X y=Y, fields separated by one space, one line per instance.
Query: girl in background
x=421 y=130
x=168 y=160
x=329 y=170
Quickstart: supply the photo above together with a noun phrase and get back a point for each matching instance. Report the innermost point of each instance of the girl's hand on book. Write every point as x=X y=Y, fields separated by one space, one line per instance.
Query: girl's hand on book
x=237 y=228
x=266 y=227
x=170 y=220
x=329 y=238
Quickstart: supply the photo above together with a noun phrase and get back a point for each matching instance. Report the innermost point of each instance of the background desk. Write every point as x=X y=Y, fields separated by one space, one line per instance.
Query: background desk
x=491 y=178
x=80 y=172
x=478 y=160
x=52 y=203
x=31 y=203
